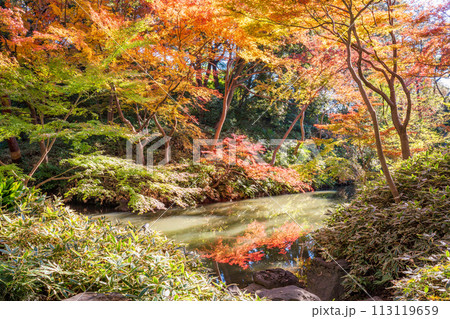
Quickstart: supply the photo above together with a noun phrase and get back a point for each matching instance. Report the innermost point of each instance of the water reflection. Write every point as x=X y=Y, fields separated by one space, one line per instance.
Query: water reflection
x=243 y=236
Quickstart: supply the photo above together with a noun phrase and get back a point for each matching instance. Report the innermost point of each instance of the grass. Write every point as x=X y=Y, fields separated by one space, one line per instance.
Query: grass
x=48 y=252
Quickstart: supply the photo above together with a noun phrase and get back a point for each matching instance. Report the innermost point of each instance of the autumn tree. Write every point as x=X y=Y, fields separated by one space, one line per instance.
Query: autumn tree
x=46 y=87
x=158 y=64
x=378 y=38
x=304 y=77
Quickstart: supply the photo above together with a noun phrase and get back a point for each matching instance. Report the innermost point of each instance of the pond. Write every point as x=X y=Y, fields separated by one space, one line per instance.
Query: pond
x=238 y=238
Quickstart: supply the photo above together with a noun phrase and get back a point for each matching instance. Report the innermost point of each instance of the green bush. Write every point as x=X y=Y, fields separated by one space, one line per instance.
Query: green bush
x=14 y=193
x=51 y=253
x=11 y=170
x=431 y=282
x=325 y=168
x=112 y=180
x=381 y=239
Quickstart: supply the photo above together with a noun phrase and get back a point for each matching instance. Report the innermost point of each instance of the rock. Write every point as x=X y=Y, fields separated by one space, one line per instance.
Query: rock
x=92 y=296
x=253 y=288
x=234 y=290
x=274 y=278
x=374 y=298
x=289 y=293
x=324 y=279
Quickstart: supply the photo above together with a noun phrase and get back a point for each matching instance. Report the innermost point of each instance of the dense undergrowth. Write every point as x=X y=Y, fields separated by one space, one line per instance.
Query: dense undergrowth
x=114 y=181
x=47 y=252
x=431 y=282
x=381 y=239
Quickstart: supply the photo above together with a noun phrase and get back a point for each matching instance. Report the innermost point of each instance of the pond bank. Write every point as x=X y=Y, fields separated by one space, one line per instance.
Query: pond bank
x=239 y=238
x=119 y=183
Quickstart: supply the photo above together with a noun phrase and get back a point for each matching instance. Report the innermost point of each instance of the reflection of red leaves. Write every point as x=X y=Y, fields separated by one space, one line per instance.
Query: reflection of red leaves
x=250 y=246
x=284 y=236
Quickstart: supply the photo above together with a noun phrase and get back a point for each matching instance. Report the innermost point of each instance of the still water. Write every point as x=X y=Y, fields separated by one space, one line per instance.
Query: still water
x=244 y=236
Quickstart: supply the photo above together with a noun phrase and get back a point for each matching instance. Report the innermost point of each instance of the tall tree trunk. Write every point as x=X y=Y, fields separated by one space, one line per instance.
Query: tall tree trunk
x=13 y=145
x=302 y=128
x=235 y=67
x=274 y=155
x=373 y=114
x=225 y=106
x=404 y=142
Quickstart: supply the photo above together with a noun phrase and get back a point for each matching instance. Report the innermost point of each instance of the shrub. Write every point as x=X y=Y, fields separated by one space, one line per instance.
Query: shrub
x=14 y=193
x=11 y=170
x=326 y=169
x=431 y=282
x=381 y=239
x=238 y=156
x=112 y=180
x=51 y=253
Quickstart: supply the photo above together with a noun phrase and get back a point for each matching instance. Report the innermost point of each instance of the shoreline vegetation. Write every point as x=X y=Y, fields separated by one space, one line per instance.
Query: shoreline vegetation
x=48 y=252
x=401 y=249
x=128 y=186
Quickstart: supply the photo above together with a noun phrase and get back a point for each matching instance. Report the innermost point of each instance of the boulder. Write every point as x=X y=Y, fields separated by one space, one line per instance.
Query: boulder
x=274 y=278
x=92 y=296
x=253 y=288
x=234 y=290
x=324 y=279
x=374 y=298
x=288 y=293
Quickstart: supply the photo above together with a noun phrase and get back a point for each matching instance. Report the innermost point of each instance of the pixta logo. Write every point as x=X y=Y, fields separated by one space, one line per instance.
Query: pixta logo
x=142 y=149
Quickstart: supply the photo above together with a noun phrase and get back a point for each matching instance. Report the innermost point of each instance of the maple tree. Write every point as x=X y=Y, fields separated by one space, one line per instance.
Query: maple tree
x=42 y=78
x=238 y=152
x=306 y=76
x=355 y=126
x=379 y=39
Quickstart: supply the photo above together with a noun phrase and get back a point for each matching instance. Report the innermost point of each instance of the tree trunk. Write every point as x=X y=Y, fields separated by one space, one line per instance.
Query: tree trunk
x=274 y=156
x=404 y=142
x=167 y=151
x=14 y=150
x=302 y=128
x=373 y=114
x=13 y=145
x=225 y=106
